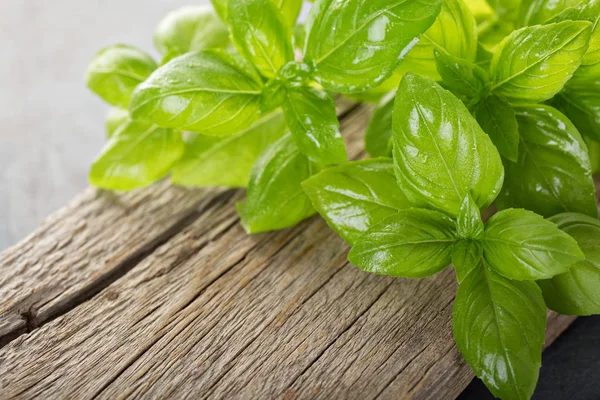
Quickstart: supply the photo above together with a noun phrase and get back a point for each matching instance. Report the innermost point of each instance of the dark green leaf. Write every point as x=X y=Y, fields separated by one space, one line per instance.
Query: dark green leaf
x=357 y=44
x=499 y=329
x=576 y=292
x=440 y=152
x=412 y=243
x=534 y=63
x=275 y=196
x=522 y=245
x=116 y=118
x=207 y=92
x=260 y=34
x=582 y=106
x=116 y=71
x=554 y=173
x=498 y=119
x=355 y=196
x=469 y=224
x=311 y=116
x=460 y=76
x=136 y=155
x=454 y=34
x=378 y=137
x=466 y=256
x=226 y=161
x=190 y=29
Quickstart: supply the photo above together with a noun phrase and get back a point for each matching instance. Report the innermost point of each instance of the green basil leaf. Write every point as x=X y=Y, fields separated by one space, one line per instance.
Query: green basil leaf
x=440 y=152
x=209 y=92
x=116 y=118
x=460 y=76
x=594 y=153
x=357 y=44
x=355 y=196
x=582 y=106
x=506 y=9
x=290 y=9
x=116 y=71
x=275 y=197
x=466 y=256
x=413 y=243
x=469 y=224
x=299 y=36
x=522 y=245
x=554 y=173
x=538 y=12
x=576 y=292
x=221 y=7
x=378 y=137
x=534 y=63
x=499 y=328
x=260 y=34
x=590 y=64
x=136 y=155
x=190 y=29
x=311 y=116
x=226 y=161
x=498 y=119
x=454 y=34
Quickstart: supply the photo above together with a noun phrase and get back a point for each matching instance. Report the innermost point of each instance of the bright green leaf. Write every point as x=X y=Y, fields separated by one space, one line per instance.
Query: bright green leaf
x=190 y=29
x=440 y=152
x=499 y=328
x=378 y=137
x=357 y=44
x=534 y=63
x=506 y=9
x=116 y=71
x=207 y=92
x=466 y=256
x=311 y=116
x=412 y=243
x=522 y=245
x=576 y=292
x=582 y=106
x=290 y=9
x=468 y=223
x=453 y=34
x=260 y=34
x=554 y=173
x=116 y=118
x=538 y=12
x=497 y=118
x=226 y=161
x=460 y=76
x=355 y=196
x=275 y=196
x=135 y=156
x=221 y=7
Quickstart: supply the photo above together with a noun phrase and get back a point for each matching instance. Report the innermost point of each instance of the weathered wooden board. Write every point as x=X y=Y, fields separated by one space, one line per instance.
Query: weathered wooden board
x=215 y=313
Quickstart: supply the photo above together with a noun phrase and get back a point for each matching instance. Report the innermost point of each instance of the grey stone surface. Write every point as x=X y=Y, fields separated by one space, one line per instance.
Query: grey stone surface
x=51 y=125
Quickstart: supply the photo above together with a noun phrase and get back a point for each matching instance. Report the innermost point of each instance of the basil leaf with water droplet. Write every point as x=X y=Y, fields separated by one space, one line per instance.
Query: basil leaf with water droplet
x=260 y=34
x=554 y=173
x=355 y=196
x=534 y=63
x=275 y=197
x=209 y=92
x=188 y=29
x=116 y=71
x=576 y=291
x=226 y=161
x=311 y=116
x=378 y=137
x=357 y=44
x=413 y=243
x=538 y=12
x=522 y=245
x=116 y=118
x=497 y=118
x=454 y=33
x=440 y=152
x=136 y=155
x=499 y=328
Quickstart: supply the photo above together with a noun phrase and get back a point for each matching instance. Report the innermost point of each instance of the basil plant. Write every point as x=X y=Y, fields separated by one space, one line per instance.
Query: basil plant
x=479 y=104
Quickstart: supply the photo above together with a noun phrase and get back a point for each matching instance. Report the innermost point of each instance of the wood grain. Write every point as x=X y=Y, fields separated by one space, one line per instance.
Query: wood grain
x=215 y=313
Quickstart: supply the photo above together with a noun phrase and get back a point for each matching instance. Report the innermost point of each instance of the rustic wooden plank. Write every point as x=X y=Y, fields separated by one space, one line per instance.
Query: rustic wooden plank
x=216 y=313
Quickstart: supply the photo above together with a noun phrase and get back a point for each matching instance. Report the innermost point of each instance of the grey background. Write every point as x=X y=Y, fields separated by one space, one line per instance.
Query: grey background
x=51 y=127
